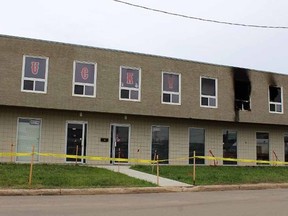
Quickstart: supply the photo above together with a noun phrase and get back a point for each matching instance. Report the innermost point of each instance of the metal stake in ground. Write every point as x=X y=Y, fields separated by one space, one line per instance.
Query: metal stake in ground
x=11 y=151
x=194 y=167
x=31 y=166
x=157 y=158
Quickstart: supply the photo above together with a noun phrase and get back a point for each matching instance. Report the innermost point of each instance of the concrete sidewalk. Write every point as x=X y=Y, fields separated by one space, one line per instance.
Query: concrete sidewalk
x=163 y=182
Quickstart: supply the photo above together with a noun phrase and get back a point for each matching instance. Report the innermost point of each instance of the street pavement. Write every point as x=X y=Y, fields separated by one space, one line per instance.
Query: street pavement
x=224 y=203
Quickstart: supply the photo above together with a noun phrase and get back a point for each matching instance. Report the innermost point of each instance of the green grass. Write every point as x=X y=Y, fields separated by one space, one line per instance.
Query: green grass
x=71 y=176
x=213 y=175
x=64 y=176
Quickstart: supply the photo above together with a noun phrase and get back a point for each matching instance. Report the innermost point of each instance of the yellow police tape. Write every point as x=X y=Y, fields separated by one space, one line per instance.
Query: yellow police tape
x=95 y=158
x=136 y=160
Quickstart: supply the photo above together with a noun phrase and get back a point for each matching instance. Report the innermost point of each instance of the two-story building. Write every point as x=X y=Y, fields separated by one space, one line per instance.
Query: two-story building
x=64 y=98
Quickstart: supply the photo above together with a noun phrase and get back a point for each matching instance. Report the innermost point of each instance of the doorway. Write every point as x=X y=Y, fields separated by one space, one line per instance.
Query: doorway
x=120 y=138
x=76 y=141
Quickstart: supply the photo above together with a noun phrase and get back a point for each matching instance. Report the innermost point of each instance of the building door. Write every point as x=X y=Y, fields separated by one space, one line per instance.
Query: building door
x=76 y=141
x=120 y=137
x=28 y=136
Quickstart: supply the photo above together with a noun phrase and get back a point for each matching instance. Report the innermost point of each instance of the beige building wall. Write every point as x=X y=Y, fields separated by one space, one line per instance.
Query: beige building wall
x=53 y=135
x=60 y=75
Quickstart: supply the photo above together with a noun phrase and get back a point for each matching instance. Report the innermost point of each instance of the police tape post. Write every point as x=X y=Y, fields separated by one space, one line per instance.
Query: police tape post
x=194 y=167
x=76 y=154
x=155 y=162
x=31 y=165
x=11 y=151
x=157 y=158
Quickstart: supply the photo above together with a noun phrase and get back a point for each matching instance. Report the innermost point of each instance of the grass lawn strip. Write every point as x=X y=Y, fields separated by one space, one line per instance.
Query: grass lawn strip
x=219 y=175
x=64 y=176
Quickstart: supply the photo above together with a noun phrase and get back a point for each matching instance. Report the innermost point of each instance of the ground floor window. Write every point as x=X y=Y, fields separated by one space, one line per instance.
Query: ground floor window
x=197 y=144
x=120 y=137
x=229 y=146
x=28 y=136
x=262 y=145
x=160 y=143
x=76 y=141
x=286 y=146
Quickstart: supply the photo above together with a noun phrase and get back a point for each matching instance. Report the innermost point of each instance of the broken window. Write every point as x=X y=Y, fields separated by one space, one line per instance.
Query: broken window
x=242 y=95
x=242 y=89
x=208 y=92
x=275 y=99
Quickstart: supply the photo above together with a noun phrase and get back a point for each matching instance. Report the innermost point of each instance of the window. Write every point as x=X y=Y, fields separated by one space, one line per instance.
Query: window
x=34 y=74
x=171 y=87
x=160 y=143
x=84 y=79
x=208 y=92
x=130 y=83
x=229 y=146
x=286 y=146
x=262 y=141
x=242 y=89
x=275 y=99
x=197 y=144
x=29 y=131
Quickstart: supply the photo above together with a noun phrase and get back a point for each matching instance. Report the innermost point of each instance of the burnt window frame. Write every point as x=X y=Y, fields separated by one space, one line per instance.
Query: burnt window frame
x=276 y=103
x=82 y=83
x=171 y=93
x=129 y=89
x=34 y=80
x=209 y=96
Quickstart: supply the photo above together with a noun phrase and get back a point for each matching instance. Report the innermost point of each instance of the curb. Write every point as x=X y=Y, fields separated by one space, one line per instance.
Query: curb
x=138 y=190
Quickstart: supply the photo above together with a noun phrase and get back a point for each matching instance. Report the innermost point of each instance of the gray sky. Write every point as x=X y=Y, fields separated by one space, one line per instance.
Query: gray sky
x=108 y=24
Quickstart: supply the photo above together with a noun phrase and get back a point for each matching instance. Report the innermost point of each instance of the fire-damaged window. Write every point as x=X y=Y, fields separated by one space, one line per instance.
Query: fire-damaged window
x=130 y=83
x=242 y=95
x=275 y=99
x=208 y=92
x=171 y=88
x=242 y=89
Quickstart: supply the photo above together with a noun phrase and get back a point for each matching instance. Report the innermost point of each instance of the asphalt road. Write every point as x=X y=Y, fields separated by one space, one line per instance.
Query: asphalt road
x=224 y=203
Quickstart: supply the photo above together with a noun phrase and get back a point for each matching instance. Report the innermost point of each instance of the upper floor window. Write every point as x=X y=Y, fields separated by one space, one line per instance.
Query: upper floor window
x=171 y=88
x=130 y=83
x=84 y=79
x=275 y=99
x=34 y=74
x=208 y=92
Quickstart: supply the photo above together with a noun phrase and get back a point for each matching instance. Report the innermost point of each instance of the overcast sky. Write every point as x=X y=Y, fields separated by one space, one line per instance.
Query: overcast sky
x=108 y=24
